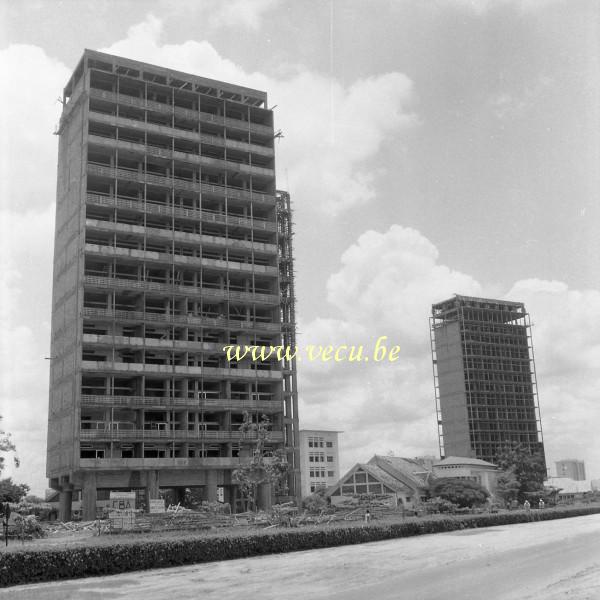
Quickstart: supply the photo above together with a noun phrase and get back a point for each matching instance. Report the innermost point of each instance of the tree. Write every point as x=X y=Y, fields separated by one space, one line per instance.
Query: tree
x=316 y=502
x=528 y=468
x=464 y=492
x=6 y=445
x=12 y=492
x=33 y=499
x=508 y=486
x=258 y=471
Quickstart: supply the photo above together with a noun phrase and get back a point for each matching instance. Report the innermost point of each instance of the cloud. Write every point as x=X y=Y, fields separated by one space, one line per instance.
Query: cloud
x=29 y=113
x=566 y=339
x=505 y=105
x=332 y=131
x=29 y=110
x=481 y=7
x=386 y=276
x=385 y=285
x=218 y=14
x=25 y=291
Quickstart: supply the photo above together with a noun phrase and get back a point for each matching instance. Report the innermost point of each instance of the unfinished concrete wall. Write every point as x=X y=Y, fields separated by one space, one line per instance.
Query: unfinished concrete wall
x=453 y=398
x=68 y=261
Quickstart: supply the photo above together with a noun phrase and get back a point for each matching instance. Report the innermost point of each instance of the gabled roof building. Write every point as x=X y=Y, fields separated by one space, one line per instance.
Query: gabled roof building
x=407 y=480
x=403 y=478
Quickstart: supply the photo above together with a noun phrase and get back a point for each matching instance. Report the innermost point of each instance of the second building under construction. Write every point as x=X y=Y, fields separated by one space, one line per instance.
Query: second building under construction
x=484 y=375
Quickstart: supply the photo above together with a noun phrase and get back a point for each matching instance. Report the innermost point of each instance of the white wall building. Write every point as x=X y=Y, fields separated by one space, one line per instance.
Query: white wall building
x=473 y=469
x=319 y=460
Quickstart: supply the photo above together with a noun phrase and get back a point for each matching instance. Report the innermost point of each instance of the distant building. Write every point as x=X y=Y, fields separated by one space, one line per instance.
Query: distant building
x=484 y=377
x=570 y=490
x=572 y=468
x=472 y=469
x=319 y=460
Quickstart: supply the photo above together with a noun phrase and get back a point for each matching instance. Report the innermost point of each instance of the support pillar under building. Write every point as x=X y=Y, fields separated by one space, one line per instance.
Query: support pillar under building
x=211 y=486
x=263 y=494
x=151 y=488
x=88 y=496
x=65 y=499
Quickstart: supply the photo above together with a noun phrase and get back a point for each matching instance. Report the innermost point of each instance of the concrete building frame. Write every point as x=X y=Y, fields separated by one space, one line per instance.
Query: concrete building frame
x=171 y=242
x=484 y=377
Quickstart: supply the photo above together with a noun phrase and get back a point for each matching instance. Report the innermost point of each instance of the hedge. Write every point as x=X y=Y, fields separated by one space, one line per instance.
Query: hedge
x=29 y=566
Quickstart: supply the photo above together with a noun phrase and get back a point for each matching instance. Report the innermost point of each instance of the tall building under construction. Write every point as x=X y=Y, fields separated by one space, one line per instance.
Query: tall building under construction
x=484 y=377
x=171 y=242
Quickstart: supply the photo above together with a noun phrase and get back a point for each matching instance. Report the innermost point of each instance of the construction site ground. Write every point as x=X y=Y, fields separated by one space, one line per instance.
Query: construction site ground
x=86 y=534
x=190 y=524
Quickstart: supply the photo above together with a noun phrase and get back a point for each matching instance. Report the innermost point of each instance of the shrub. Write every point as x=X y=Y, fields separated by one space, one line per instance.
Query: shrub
x=316 y=501
x=439 y=505
x=463 y=492
x=28 y=526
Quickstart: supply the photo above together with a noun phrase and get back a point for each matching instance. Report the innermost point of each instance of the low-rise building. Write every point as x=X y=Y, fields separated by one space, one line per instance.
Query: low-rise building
x=458 y=467
x=571 y=468
x=319 y=460
x=404 y=480
x=570 y=490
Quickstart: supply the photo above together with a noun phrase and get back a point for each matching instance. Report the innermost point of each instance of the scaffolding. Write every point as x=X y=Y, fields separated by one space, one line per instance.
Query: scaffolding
x=436 y=389
x=488 y=347
x=288 y=324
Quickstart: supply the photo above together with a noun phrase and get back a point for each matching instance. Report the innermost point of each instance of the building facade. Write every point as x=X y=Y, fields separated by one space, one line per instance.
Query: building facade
x=471 y=469
x=484 y=377
x=171 y=242
x=319 y=460
x=570 y=468
x=398 y=482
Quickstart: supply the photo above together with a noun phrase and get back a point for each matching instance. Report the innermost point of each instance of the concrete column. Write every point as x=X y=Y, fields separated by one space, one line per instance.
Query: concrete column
x=64 y=504
x=88 y=497
x=211 y=486
x=263 y=499
x=151 y=488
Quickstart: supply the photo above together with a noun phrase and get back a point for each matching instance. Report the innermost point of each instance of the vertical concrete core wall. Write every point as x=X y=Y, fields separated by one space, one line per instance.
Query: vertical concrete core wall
x=453 y=397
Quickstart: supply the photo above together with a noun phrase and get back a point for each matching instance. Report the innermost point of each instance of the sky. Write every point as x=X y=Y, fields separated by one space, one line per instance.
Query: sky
x=431 y=148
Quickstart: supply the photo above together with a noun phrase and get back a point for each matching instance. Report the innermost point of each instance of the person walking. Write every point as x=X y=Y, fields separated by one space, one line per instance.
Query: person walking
x=526 y=505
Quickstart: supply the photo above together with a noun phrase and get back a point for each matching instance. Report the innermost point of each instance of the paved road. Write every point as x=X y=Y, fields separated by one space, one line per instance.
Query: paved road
x=546 y=560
